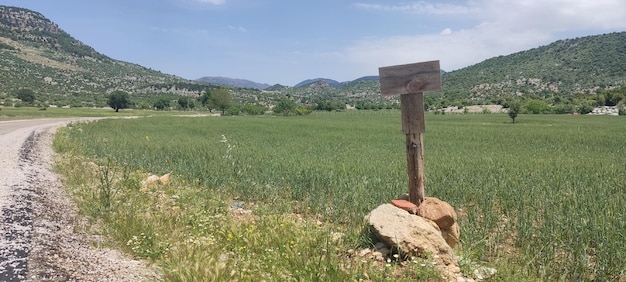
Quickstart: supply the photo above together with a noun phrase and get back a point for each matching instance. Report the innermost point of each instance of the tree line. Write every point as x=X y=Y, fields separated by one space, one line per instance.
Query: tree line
x=222 y=101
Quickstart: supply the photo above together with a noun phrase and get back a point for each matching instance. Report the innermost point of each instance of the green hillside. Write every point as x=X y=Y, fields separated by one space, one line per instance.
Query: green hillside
x=36 y=54
x=564 y=68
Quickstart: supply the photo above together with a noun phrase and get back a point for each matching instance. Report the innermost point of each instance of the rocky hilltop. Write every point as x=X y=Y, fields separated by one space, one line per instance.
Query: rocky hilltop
x=36 y=53
x=22 y=20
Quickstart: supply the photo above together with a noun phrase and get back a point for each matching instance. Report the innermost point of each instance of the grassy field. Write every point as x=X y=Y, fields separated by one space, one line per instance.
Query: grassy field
x=541 y=199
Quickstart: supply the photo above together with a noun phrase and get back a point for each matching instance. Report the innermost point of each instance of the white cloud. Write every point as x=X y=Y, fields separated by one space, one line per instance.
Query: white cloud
x=556 y=15
x=421 y=7
x=504 y=27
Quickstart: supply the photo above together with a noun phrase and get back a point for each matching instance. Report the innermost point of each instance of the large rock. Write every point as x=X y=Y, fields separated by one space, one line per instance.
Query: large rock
x=443 y=214
x=438 y=211
x=410 y=234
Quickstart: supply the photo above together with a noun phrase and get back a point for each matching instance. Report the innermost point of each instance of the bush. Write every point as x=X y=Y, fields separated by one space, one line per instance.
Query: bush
x=563 y=109
x=26 y=95
x=162 y=104
x=535 y=106
x=253 y=109
x=585 y=109
x=285 y=107
x=233 y=110
x=301 y=111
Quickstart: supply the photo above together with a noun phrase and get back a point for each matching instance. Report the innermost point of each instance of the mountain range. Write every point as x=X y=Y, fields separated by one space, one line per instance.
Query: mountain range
x=578 y=65
x=36 y=53
x=235 y=82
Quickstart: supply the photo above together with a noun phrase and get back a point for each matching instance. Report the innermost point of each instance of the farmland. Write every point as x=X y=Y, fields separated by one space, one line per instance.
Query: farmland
x=541 y=199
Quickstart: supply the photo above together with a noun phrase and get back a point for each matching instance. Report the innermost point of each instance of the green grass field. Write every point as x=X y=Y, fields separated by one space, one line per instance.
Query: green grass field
x=541 y=199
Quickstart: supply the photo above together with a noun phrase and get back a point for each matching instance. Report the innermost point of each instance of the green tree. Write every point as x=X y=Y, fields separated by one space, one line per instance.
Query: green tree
x=285 y=107
x=514 y=108
x=184 y=102
x=220 y=99
x=119 y=100
x=161 y=104
x=26 y=95
x=204 y=99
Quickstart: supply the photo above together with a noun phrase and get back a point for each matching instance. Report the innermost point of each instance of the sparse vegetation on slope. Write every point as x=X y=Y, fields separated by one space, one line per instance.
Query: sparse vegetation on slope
x=43 y=57
x=563 y=68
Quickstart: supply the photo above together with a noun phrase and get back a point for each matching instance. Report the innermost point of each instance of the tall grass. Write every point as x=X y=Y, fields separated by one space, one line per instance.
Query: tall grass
x=544 y=196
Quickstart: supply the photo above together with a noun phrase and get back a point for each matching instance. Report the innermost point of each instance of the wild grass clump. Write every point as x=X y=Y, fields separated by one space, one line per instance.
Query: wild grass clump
x=541 y=199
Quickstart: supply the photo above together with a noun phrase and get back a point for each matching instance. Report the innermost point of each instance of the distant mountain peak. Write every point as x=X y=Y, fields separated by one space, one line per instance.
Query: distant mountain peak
x=24 y=25
x=319 y=82
x=236 y=82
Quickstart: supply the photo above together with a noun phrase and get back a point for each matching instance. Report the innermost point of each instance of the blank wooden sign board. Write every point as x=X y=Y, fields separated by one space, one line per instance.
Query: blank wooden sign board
x=410 y=82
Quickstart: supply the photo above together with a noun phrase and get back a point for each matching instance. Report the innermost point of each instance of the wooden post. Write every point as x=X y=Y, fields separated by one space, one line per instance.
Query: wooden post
x=410 y=81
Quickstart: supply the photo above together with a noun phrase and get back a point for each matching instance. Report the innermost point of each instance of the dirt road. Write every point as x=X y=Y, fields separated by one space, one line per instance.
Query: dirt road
x=39 y=240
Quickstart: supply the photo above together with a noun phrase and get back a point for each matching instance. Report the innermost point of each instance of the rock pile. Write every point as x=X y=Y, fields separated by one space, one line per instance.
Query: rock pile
x=153 y=179
x=429 y=230
x=409 y=234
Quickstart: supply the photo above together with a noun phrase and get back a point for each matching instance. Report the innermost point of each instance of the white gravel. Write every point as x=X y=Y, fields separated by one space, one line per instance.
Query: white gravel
x=39 y=240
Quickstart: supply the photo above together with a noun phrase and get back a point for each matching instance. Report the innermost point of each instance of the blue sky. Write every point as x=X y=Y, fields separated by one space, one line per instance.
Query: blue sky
x=287 y=41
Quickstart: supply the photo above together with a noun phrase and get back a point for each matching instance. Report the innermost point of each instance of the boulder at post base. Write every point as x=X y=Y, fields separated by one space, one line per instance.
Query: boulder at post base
x=438 y=211
x=410 y=234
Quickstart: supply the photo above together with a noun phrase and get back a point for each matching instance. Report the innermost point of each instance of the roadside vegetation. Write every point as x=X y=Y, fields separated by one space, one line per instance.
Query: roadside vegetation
x=11 y=113
x=541 y=199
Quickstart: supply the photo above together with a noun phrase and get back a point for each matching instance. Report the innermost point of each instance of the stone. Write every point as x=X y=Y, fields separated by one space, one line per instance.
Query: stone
x=364 y=252
x=405 y=205
x=438 y=211
x=454 y=269
x=410 y=234
x=165 y=179
x=378 y=256
x=483 y=273
x=452 y=234
x=151 y=180
x=382 y=248
x=238 y=205
x=380 y=245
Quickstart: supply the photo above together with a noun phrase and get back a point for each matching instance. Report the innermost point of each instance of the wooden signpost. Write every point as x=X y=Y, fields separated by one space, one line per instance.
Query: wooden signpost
x=410 y=82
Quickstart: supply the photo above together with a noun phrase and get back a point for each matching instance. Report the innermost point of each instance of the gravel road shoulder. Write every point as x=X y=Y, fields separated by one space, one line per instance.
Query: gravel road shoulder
x=41 y=238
